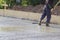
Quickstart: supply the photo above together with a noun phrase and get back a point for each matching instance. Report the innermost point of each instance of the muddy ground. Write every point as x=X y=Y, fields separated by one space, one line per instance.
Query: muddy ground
x=35 y=9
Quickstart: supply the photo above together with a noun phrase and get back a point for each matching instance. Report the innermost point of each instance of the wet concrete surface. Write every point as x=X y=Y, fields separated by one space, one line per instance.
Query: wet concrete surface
x=18 y=29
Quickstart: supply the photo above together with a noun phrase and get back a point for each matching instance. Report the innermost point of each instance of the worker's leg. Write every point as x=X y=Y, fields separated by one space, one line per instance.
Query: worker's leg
x=43 y=16
x=48 y=16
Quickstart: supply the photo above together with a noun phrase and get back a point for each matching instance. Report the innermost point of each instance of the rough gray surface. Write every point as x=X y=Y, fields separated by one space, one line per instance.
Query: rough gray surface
x=17 y=29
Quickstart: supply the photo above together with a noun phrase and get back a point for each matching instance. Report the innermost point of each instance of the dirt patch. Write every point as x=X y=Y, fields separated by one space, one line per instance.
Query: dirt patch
x=35 y=9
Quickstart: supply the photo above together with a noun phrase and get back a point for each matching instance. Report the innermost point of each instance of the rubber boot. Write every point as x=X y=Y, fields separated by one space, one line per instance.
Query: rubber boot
x=40 y=23
x=47 y=24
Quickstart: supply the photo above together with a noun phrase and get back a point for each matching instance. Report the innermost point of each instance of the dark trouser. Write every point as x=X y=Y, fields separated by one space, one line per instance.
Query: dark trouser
x=47 y=12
